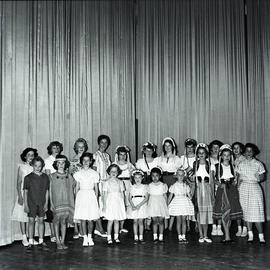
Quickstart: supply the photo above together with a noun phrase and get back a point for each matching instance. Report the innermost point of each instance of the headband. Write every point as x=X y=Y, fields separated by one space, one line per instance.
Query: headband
x=225 y=147
x=137 y=171
x=202 y=145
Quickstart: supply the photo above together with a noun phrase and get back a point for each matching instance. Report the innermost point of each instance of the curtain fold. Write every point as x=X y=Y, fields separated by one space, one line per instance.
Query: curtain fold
x=66 y=72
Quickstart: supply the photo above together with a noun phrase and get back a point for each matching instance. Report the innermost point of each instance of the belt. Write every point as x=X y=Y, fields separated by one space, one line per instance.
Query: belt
x=124 y=178
x=137 y=196
x=168 y=173
x=206 y=179
x=225 y=182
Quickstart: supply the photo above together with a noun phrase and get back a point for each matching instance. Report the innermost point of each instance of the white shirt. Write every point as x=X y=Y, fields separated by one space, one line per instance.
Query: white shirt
x=102 y=162
x=187 y=162
x=49 y=164
x=170 y=164
x=141 y=164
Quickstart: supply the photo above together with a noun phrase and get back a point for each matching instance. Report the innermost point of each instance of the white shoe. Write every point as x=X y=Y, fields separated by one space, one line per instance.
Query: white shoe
x=244 y=233
x=85 y=242
x=207 y=240
x=239 y=233
x=35 y=243
x=123 y=231
x=214 y=232
x=219 y=232
x=100 y=234
x=25 y=242
x=201 y=240
x=90 y=242
x=75 y=236
x=53 y=239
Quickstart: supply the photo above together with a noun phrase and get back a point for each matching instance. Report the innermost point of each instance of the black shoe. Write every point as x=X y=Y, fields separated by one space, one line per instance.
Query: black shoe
x=142 y=241
x=136 y=242
x=30 y=247
x=227 y=241
x=250 y=241
x=262 y=242
x=44 y=246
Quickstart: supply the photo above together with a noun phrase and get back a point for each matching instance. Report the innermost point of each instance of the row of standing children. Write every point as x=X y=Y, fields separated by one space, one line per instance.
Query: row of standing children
x=196 y=171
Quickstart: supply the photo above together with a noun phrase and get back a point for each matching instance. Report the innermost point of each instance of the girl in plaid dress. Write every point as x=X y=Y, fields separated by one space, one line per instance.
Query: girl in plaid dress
x=251 y=173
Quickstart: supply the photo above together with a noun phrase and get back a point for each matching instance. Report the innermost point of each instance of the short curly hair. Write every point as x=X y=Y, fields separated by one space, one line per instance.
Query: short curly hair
x=54 y=143
x=38 y=159
x=101 y=137
x=255 y=149
x=90 y=156
x=242 y=147
x=119 y=171
x=26 y=151
x=67 y=163
x=82 y=140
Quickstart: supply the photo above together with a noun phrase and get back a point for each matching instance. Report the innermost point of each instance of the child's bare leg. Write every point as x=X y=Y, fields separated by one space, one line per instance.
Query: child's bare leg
x=178 y=225
x=99 y=226
x=184 y=225
x=90 y=227
x=141 y=229
x=109 y=230
x=31 y=225
x=40 y=229
x=23 y=228
x=116 y=230
x=161 y=228
x=135 y=229
x=171 y=223
x=63 y=231
x=56 y=229
x=155 y=227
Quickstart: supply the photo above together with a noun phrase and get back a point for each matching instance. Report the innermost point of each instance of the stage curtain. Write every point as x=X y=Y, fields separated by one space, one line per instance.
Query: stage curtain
x=258 y=62
x=66 y=72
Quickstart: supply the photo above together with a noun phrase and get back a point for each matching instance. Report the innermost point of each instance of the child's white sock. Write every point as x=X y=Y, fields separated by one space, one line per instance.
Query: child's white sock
x=214 y=226
x=160 y=237
x=31 y=241
x=250 y=236
x=261 y=236
x=155 y=236
x=219 y=227
x=109 y=237
x=183 y=236
x=24 y=237
x=136 y=237
x=239 y=228
x=116 y=236
x=141 y=237
x=179 y=236
x=40 y=240
x=89 y=236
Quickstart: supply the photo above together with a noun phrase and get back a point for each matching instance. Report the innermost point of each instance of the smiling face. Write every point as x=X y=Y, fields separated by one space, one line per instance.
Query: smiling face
x=180 y=175
x=148 y=152
x=37 y=166
x=55 y=150
x=215 y=150
x=226 y=156
x=122 y=156
x=86 y=162
x=201 y=153
x=29 y=156
x=113 y=172
x=249 y=153
x=168 y=147
x=155 y=177
x=138 y=179
x=236 y=149
x=103 y=145
x=80 y=148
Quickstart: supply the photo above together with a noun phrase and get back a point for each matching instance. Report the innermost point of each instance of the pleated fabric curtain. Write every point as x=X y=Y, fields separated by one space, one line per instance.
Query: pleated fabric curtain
x=191 y=71
x=66 y=72
x=258 y=58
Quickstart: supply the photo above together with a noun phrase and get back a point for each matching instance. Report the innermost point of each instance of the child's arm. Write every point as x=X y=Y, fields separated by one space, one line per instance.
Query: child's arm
x=170 y=198
x=19 y=185
x=131 y=202
x=104 y=197
x=77 y=188
x=46 y=200
x=96 y=189
x=26 y=207
x=144 y=201
x=51 y=199
x=165 y=197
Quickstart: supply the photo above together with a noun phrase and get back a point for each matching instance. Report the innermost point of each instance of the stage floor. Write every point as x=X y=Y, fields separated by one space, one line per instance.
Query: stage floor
x=170 y=255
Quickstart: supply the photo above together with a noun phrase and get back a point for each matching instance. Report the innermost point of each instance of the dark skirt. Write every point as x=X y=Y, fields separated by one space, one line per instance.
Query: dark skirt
x=227 y=205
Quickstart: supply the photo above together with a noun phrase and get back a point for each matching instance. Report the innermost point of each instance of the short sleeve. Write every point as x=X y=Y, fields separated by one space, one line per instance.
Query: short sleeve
x=165 y=188
x=26 y=183
x=172 y=189
x=261 y=168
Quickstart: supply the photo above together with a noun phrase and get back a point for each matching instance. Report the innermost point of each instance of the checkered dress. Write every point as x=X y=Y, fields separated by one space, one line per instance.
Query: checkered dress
x=250 y=191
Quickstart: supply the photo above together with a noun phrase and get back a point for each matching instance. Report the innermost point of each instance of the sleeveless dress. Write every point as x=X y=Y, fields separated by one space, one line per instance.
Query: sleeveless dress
x=138 y=194
x=86 y=204
x=18 y=213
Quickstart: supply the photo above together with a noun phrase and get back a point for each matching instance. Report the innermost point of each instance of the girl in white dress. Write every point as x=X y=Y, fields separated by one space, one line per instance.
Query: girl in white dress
x=238 y=157
x=102 y=162
x=86 y=204
x=251 y=174
x=157 y=203
x=114 y=202
x=122 y=159
x=24 y=169
x=214 y=147
x=138 y=197
x=180 y=204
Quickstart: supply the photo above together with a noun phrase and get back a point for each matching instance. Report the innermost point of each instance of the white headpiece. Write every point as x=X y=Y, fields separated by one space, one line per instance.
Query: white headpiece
x=137 y=171
x=202 y=145
x=116 y=154
x=225 y=146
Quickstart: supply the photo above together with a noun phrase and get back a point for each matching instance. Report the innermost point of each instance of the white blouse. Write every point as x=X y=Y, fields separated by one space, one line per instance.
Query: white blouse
x=170 y=164
x=141 y=164
x=187 y=162
x=49 y=164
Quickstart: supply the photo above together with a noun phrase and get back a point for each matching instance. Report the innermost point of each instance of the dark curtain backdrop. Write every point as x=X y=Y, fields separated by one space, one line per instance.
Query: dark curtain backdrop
x=183 y=68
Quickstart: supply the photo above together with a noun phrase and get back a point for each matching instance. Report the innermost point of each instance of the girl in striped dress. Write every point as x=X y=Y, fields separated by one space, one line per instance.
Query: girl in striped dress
x=180 y=204
x=251 y=173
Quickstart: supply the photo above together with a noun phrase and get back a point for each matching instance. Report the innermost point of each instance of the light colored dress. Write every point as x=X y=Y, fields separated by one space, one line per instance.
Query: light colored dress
x=181 y=204
x=18 y=213
x=157 y=205
x=115 y=205
x=250 y=191
x=86 y=204
x=138 y=194
x=204 y=194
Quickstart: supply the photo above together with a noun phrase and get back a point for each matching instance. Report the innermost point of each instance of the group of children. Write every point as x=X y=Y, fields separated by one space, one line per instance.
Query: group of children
x=212 y=184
